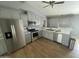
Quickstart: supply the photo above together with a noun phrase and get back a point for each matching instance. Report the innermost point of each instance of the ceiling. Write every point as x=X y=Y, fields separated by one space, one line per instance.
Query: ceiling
x=19 y=5
x=69 y=7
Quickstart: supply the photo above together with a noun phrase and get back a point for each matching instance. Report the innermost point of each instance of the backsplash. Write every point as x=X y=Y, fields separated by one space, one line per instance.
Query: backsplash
x=66 y=21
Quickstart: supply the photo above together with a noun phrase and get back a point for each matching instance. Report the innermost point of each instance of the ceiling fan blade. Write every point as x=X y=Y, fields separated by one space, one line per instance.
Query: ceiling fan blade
x=61 y=2
x=45 y=2
x=52 y=1
x=52 y=6
x=45 y=6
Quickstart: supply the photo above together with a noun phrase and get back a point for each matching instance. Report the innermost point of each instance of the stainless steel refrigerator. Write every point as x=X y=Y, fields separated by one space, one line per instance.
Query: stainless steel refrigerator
x=12 y=32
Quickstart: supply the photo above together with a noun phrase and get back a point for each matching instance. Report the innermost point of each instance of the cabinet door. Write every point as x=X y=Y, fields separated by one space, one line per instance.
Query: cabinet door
x=50 y=35
x=65 y=39
x=25 y=20
x=28 y=38
x=40 y=33
x=55 y=36
x=44 y=33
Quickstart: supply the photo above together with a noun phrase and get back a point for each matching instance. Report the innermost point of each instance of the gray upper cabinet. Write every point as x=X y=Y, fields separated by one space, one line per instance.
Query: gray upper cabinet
x=31 y=16
x=38 y=19
x=24 y=17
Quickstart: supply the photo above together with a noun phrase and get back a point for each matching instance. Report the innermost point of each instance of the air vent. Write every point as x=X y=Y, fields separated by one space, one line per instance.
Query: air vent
x=24 y=12
x=22 y=1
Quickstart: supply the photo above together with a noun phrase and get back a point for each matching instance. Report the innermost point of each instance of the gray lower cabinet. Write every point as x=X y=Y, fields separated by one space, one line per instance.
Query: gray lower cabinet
x=55 y=36
x=3 y=48
x=44 y=33
x=40 y=33
x=28 y=38
x=65 y=39
x=50 y=35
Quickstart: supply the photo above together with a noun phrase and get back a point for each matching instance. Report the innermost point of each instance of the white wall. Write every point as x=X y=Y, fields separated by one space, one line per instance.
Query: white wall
x=12 y=9
x=38 y=19
x=19 y=5
x=71 y=21
x=17 y=14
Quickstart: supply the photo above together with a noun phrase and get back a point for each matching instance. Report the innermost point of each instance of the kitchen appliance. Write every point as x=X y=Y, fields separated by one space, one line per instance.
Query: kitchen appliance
x=72 y=43
x=34 y=34
x=13 y=34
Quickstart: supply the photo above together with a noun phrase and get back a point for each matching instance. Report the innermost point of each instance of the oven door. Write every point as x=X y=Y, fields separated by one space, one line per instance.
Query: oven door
x=35 y=36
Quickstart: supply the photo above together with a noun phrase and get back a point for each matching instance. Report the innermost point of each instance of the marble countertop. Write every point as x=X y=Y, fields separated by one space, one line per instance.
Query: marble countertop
x=59 y=30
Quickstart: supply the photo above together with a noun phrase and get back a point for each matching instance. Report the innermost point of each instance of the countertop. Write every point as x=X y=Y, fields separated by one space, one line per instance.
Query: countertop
x=59 y=30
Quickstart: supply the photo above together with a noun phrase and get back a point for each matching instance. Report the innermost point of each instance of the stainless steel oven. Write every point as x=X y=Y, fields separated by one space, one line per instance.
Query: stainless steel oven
x=35 y=35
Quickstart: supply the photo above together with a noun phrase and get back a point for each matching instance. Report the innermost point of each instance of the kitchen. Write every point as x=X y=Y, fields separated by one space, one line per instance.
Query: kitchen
x=28 y=26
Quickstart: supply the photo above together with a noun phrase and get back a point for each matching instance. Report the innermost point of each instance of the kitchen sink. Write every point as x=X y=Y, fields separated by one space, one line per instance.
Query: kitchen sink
x=55 y=30
x=50 y=29
x=58 y=31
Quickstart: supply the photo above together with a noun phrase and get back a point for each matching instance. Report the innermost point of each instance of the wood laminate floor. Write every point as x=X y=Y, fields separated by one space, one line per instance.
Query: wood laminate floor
x=43 y=48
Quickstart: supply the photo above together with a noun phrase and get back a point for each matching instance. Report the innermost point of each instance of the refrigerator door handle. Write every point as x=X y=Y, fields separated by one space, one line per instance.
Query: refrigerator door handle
x=13 y=32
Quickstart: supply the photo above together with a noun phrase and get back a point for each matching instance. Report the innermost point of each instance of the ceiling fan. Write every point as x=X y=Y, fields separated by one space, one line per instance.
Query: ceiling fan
x=52 y=3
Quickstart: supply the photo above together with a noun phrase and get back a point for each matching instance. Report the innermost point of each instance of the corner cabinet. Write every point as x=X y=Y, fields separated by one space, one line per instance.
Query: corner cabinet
x=48 y=34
